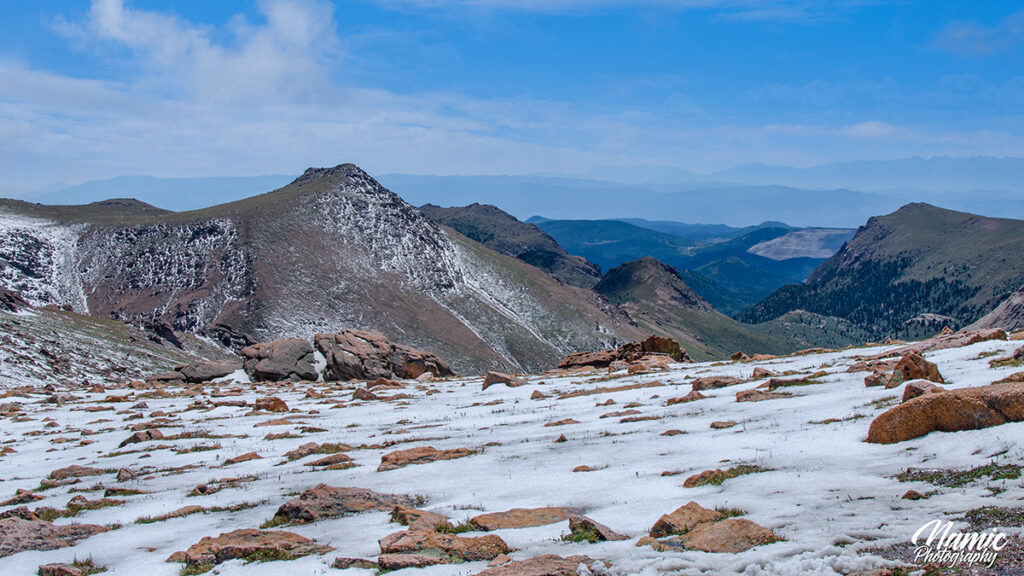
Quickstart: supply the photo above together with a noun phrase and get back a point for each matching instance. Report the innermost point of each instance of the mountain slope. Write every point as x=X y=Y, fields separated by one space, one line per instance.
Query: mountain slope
x=911 y=272
x=503 y=233
x=658 y=299
x=331 y=250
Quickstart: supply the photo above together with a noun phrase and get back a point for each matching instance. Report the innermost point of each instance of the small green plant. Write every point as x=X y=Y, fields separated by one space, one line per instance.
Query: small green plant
x=467 y=526
x=730 y=512
x=195 y=569
x=582 y=534
x=270 y=555
x=851 y=418
x=275 y=522
x=716 y=477
x=955 y=478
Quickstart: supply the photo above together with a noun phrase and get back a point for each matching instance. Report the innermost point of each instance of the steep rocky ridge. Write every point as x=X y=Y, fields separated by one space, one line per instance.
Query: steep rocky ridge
x=904 y=273
x=332 y=250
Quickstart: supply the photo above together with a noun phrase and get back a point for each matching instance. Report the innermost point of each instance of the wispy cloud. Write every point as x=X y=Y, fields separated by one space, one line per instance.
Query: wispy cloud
x=975 y=39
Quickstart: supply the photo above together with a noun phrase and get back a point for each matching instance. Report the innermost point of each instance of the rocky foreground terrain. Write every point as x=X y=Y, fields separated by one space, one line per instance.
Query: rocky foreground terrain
x=824 y=462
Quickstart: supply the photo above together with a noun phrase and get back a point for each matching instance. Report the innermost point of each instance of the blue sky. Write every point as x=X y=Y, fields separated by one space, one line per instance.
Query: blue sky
x=105 y=88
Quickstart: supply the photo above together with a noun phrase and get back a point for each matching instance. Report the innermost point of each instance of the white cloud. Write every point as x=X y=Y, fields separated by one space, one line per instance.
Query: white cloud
x=976 y=39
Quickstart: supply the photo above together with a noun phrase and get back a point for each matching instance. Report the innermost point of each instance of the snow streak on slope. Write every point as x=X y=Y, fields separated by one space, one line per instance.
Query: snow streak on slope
x=831 y=496
x=38 y=260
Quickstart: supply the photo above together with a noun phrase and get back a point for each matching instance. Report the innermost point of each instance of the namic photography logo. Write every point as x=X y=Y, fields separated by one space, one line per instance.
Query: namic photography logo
x=938 y=542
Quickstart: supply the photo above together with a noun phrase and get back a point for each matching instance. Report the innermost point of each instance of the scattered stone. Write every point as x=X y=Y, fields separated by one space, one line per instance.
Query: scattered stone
x=563 y=422
x=672 y=432
x=691 y=397
x=142 y=436
x=561 y=438
x=419 y=455
x=760 y=373
x=722 y=424
x=284 y=359
x=271 y=404
x=732 y=535
x=249 y=544
x=346 y=563
x=334 y=462
x=537 y=395
x=916 y=388
x=583 y=468
x=242 y=458
x=208 y=370
x=913 y=366
x=711 y=382
x=643 y=355
x=325 y=501
x=950 y=411
x=758 y=395
x=493 y=378
x=683 y=519
x=126 y=474
x=581 y=525
x=876 y=378
x=60 y=570
x=547 y=565
x=913 y=495
x=22 y=496
x=452 y=547
x=18 y=535
x=390 y=562
x=739 y=356
x=523 y=518
x=417 y=519
x=600 y=359
x=75 y=471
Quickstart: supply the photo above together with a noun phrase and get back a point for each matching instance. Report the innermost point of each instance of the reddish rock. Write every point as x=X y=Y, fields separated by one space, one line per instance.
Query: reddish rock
x=364 y=394
x=389 y=562
x=561 y=438
x=419 y=455
x=368 y=354
x=18 y=535
x=683 y=519
x=75 y=471
x=951 y=411
x=600 y=359
x=691 y=397
x=493 y=378
x=912 y=495
x=758 y=395
x=346 y=563
x=242 y=458
x=142 y=436
x=739 y=356
x=537 y=395
x=60 y=570
x=453 y=548
x=945 y=341
x=22 y=496
x=208 y=370
x=284 y=359
x=523 y=518
x=583 y=468
x=248 y=542
x=271 y=404
x=913 y=366
x=417 y=519
x=916 y=388
x=760 y=373
x=325 y=501
x=876 y=378
x=547 y=565
x=732 y=535
x=711 y=382
x=578 y=524
x=721 y=425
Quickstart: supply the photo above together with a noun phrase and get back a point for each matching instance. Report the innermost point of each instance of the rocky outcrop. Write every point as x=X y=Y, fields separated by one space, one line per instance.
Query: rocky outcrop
x=492 y=378
x=916 y=388
x=12 y=301
x=18 y=534
x=1008 y=315
x=325 y=501
x=284 y=359
x=368 y=355
x=711 y=382
x=946 y=341
x=249 y=544
x=951 y=411
x=630 y=353
x=417 y=519
x=591 y=529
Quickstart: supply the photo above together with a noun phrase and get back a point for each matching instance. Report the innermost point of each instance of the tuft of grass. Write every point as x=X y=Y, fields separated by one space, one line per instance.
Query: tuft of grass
x=467 y=526
x=993 y=516
x=955 y=478
x=730 y=512
x=582 y=535
x=275 y=522
x=718 y=476
x=270 y=555
x=195 y=569
x=851 y=418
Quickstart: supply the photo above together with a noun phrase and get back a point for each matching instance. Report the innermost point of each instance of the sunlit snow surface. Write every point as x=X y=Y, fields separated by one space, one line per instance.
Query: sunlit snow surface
x=829 y=494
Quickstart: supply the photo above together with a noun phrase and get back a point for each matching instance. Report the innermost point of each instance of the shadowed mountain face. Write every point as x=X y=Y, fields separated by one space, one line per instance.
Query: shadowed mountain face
x=503 y=233
x=911 y=272
x=331 y=250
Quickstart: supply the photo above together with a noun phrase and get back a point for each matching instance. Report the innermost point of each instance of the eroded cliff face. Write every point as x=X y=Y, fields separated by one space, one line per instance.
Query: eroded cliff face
x=332 y=250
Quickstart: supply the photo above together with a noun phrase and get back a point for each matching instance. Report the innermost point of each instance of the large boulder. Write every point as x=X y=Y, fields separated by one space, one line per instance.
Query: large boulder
x=950 y=411
x=284 y=359
x=523 y=518
x=368 y=355
x=683 y=519
x=599 y=359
